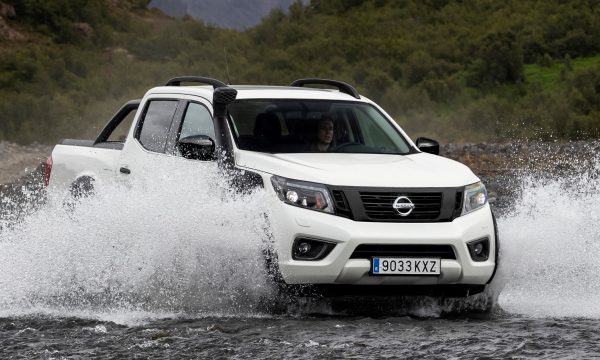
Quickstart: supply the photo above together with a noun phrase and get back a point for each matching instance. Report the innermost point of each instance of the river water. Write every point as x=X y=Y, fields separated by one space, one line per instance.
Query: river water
x=143 y=272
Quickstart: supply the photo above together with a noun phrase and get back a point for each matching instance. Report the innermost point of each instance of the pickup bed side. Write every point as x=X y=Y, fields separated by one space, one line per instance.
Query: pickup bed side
x=78 y=163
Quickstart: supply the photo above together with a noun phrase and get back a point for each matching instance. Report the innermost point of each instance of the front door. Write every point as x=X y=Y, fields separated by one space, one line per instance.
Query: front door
x=152 y=156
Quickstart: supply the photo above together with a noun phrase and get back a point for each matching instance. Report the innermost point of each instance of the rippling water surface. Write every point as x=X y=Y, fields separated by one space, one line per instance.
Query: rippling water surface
x=142 y=271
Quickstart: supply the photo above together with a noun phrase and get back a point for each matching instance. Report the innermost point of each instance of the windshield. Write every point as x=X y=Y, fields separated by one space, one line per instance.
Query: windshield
x=307 y=126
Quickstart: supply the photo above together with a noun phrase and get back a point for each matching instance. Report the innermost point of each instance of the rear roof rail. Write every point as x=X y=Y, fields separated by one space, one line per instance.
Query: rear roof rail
x=198 y=79
x=342 y=86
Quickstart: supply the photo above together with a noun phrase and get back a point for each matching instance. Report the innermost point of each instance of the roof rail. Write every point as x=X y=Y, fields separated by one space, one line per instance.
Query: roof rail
x=342 y=86
x=199 y=79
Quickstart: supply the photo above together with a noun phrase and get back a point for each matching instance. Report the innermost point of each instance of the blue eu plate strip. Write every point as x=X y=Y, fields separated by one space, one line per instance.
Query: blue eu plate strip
x=375 y=265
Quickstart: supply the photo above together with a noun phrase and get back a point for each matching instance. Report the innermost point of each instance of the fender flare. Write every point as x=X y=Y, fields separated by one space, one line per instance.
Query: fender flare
x=496 y=247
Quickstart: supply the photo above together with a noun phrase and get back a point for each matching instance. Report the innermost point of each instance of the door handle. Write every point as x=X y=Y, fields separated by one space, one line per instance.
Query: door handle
x=125 y=171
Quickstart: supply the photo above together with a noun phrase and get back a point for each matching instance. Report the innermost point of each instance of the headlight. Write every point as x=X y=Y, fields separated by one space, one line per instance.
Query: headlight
x=474 y=198
x=303 y=194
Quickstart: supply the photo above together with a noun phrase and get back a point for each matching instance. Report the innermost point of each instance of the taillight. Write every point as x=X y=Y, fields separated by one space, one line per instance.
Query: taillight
x=47 y=171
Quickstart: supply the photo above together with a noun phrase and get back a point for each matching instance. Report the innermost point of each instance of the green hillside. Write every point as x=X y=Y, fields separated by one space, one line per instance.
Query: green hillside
x=457 y=71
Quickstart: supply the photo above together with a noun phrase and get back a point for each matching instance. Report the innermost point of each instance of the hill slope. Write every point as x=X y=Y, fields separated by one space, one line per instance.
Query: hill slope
x=457 y=71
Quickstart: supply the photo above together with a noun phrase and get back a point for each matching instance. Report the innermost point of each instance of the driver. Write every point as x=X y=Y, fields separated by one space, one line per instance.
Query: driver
x=324 y=138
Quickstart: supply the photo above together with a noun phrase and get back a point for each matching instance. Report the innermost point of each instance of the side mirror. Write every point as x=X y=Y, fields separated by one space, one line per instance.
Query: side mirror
x=428 y=145
x=197 y=147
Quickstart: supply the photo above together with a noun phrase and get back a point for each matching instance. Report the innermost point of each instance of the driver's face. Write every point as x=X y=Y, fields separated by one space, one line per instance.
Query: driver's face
x=325 y=133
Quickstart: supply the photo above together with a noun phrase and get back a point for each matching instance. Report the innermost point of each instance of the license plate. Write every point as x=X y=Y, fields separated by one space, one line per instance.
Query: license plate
x=405 y=266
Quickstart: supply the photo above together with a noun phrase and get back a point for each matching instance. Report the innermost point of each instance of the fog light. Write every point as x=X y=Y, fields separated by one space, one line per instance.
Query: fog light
x=479 y=249
x=304 y=248
x=311 y=249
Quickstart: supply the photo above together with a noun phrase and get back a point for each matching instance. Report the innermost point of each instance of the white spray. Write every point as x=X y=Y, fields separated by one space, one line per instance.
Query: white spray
x=164 y=247
x=160 y=247
x=550 y=241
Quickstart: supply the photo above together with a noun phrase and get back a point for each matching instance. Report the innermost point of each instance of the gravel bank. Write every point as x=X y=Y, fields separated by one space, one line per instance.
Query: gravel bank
x=500 y=166
x=484 y=159
x=16 y=161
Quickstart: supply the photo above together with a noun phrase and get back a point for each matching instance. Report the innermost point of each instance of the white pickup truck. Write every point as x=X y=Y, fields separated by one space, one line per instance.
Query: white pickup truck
x=361 y=208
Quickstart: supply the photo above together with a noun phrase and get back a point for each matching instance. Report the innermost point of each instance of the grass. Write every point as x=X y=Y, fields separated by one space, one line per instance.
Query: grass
x=550 y=76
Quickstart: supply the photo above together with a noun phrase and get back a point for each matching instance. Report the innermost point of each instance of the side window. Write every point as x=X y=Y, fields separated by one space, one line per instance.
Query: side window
x=120 y=133
x=197 y=121
x=156 y=124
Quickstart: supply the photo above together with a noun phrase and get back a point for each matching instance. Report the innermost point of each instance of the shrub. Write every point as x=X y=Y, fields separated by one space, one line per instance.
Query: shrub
x=499 y=60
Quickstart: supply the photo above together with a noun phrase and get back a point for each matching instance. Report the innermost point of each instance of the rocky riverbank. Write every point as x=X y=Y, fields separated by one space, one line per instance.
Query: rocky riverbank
x=21 y=178
x=498 y=165
x=491 y=159
x=17 y=161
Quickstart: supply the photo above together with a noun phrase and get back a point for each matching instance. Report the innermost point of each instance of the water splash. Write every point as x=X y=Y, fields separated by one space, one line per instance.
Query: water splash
x=550 y=244
x=159 y=247
x=165 y=247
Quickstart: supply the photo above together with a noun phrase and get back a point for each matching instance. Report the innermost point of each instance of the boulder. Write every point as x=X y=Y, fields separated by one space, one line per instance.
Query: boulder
x=8 y=33
x=7 y=11
x=84 y=28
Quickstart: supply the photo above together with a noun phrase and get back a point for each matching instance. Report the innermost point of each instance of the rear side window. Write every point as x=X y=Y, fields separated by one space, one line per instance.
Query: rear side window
x=156 y=124
x=120 y=133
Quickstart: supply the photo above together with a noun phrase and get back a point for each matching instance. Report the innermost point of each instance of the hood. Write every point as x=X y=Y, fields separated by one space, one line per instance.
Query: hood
x=376 y=170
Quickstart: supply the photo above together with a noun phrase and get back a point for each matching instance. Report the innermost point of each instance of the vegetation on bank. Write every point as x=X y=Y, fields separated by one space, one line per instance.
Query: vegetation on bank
x=455 y=71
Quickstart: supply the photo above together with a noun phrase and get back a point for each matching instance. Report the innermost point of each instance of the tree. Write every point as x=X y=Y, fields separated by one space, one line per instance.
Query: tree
x=498 y=60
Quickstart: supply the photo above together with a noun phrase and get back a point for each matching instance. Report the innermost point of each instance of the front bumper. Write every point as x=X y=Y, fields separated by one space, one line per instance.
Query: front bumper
x=338 y=268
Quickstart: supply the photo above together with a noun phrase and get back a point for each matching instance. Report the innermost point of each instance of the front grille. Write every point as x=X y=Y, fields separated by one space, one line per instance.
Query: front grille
x=341 y=204
x=458 y=204
x=378 y=205
x=367 y=251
